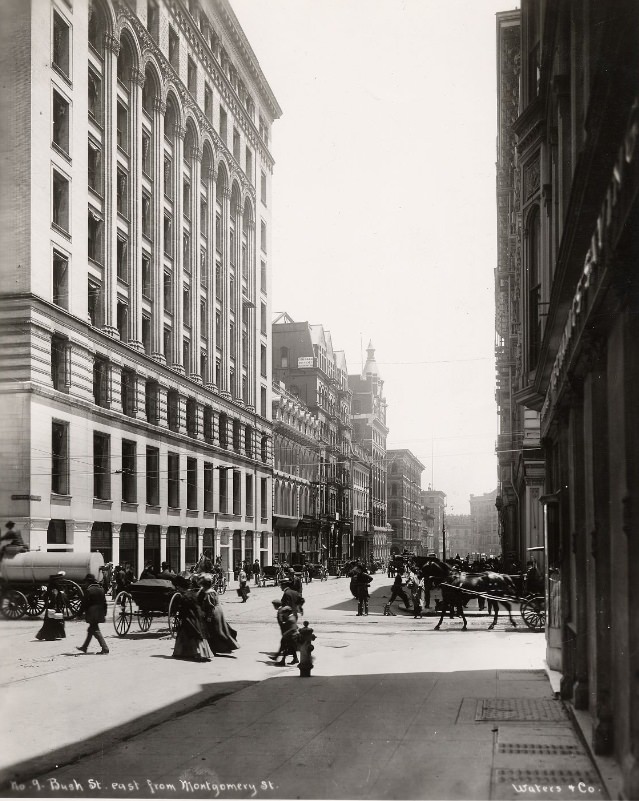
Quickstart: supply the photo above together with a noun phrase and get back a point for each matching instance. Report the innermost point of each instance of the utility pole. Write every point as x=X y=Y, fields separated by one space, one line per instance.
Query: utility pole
x=443 y=535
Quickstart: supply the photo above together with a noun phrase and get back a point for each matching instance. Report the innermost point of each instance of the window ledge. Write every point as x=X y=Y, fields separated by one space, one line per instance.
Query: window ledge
x=152 y=507
x=61 y=498
x=129 y=506
x=208 y=514
x=102 y=503
x=192 y=512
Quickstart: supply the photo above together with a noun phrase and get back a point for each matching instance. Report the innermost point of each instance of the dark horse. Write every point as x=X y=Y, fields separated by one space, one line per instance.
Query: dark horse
x=458 y=587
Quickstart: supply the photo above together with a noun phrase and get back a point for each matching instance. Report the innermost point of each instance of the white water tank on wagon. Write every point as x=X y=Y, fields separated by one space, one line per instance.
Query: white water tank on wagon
x=39 y=565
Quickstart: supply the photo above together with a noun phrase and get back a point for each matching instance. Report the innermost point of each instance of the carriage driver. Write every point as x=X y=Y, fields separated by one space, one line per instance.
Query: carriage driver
x=11 y=541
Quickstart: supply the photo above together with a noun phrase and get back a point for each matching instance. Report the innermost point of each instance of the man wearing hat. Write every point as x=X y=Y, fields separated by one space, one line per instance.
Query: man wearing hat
x=94 y=606
x=11 y=541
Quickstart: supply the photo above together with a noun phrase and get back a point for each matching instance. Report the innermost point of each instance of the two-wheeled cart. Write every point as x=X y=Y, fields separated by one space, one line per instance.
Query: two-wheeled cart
x=146 y=600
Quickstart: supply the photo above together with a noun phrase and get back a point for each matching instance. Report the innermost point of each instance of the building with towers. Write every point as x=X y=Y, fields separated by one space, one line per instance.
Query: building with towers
x=135 y=280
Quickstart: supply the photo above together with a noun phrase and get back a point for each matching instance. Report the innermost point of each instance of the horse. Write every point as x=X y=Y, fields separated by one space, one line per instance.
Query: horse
x=457 y=586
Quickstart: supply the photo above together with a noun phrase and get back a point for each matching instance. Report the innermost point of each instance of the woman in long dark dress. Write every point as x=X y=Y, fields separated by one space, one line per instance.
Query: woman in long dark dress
x=55 y=600
x=222 y=637
x=190 y=641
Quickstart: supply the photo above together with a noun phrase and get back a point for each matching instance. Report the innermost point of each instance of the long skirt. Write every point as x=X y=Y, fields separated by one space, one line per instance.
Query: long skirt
x=222 y=637
x=190 y=644
x=51 y=629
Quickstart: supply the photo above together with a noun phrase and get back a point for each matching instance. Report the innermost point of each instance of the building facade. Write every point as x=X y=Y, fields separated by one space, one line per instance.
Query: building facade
x=577 y=135
x=434 y=504
x=459 y=532
x=297 y=454
x=362 y=467
x=485 y=523
x=135 y=278
x=306 y=363
x=370 y=432
x=404 y=501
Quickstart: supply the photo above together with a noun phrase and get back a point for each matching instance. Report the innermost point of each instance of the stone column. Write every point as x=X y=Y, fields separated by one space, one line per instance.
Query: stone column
x=209 y=378
x=109 y=228
x=163 y=533
x=225 y=300
x=157 y=255
x=115 y=543
x=140 y=544
x=135 y=211
x=178 y=279
x=196 y=166
x=182 y=547
x=200 y=542
x=81 y=535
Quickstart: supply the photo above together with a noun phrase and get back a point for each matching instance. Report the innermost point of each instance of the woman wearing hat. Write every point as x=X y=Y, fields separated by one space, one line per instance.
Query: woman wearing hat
x=190 y=640
x=55 y=602
x=221 y=637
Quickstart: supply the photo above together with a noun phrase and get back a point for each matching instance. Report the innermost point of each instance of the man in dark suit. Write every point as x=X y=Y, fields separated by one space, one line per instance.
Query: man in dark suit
x=94 y=606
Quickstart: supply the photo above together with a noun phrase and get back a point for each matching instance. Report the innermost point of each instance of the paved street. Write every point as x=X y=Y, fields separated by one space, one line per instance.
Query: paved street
x=393 y=709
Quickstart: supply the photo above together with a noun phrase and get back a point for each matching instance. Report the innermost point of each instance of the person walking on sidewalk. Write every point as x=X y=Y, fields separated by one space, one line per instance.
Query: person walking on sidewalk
x=362 y=579
x=257 y=571
x=94 y=606
x=243 y=589
x=398 y=591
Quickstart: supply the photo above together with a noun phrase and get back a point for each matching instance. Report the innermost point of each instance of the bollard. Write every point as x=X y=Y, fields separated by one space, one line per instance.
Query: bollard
x=306 y=648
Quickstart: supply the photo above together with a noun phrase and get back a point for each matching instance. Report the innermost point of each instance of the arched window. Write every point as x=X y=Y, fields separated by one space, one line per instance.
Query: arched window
x=264 y=448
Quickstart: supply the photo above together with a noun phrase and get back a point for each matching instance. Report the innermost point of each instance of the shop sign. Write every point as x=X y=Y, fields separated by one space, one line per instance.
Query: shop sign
x=305 y=361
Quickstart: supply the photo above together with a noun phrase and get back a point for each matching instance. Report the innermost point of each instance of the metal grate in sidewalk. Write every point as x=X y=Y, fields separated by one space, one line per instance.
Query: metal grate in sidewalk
x=520 y=709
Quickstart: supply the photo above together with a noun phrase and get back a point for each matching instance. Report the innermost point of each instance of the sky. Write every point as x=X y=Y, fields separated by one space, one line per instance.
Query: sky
x=384 y=211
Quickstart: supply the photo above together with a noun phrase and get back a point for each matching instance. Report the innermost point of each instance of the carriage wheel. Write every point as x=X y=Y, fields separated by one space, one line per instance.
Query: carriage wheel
x=174 y=605
x=35 y=603
x=144 y=620
x=533 y=612
x=73 y=593
x=13 y=605
x=122 y=613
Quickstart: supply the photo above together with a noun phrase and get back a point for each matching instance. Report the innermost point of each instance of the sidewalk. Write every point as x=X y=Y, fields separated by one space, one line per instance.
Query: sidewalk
x=393 y=710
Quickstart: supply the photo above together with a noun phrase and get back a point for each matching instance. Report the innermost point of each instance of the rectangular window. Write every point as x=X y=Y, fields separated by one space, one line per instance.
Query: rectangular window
x=95 y=96
x=152 y=403
x=218 y=233
x=208 y=102
x=203 y=318
x=60 y=280
x=263 y=360
x=186 y=199
x=129 y=472
x=123 y=127
x=60 y=458
x=101 y=466
x=249 y=164
x=94 y=303
x=173 y=475
x=168 y=178
x=127 y=390
x=204 y=271
x=237 y=492
x=146 y=275
x=186 y=306
x=146 y=154
x=101 y=389
x=168 y=346
x=263 y=276
x=122 y=193
x=236 y=145
x=186 y=356
x=208 y=486
x=168 y=235
x=204 y=218
x=123 y=259
x=263 y=318
x=186 y=252
x=94 y=244
x=122 y=321
x=152 y=476
x=263 y=236
x=232 y=348
x=60 y=213
x=191 y=484
x=192 y=77
x=61 y=110
x=263 y=188
x=218 y=329
x=173 y=410
x=146 y=334
x=263 y=401
x=168 y=304
x=174 y=48
x=60 y=363
x=263 y=499
x=152 y=19
x=94 y=167
x=223 y=125
x=146 y=215
x=61 y=45
x=224 y=501
x=249 y=495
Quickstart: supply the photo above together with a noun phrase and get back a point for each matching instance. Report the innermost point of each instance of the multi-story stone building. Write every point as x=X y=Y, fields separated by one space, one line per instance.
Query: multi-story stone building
x=362 y=467
x=577 y=370
x=434 y=505
x=370 y=432
x=485 y=523
x=404 y=501
x=459 y=533
x=305 y=361
x=520 y=460
x=135 y=275
x=297 y=452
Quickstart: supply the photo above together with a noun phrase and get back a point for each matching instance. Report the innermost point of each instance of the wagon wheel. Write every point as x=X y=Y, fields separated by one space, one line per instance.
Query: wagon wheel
x=35 y=603
x=174 y=622
x=533 y=611
x=73 y=599
x=13 y=605
x=122 y=613
x=144 y=620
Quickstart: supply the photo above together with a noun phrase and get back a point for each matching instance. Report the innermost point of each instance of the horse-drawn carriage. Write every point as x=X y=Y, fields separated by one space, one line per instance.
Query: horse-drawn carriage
x=145 y=600
x=274 y=573
x=24 y=578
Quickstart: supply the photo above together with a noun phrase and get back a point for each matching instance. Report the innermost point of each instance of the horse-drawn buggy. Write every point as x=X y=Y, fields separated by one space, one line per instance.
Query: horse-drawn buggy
x=145 y=600
x=273 y=573
x=24 y=578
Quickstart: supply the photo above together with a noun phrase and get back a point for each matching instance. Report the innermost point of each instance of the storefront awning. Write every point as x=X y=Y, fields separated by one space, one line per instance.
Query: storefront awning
x=285 y=522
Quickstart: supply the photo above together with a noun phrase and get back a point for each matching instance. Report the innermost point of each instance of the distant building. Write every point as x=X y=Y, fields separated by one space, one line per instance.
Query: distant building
x=404 y=500
x=306 y=363
x=368 y=411
x=485 y=523
x=459 y=533
x=435 y=502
